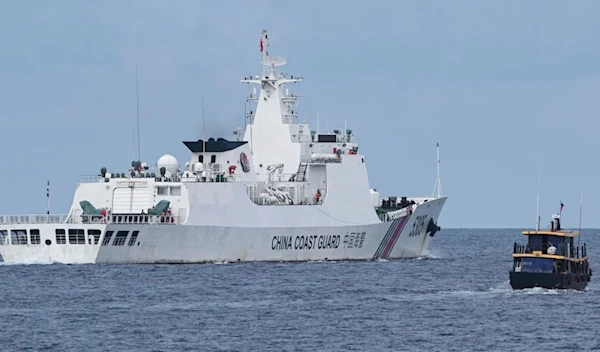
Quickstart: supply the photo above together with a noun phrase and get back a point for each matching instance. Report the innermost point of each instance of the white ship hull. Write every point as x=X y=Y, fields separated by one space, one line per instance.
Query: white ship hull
x=406 y=237
x=70 y=249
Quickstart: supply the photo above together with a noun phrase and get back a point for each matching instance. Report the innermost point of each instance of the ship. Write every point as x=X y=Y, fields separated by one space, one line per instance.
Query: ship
x=278 y=192
x=550 y=259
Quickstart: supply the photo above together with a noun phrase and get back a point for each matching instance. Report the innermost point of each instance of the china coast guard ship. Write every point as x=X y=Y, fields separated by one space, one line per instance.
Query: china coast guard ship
x=282 y=192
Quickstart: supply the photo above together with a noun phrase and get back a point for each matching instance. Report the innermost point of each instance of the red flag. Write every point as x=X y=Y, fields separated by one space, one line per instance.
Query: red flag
x=261 y=45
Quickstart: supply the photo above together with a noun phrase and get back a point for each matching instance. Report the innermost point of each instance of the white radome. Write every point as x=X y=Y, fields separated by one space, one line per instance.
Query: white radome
x=169 y=162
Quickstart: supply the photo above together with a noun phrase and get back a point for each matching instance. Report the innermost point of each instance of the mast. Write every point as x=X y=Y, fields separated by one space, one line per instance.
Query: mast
x=137 y=106
x=438 y=180
x=580 y=211
x=203 y=134
x=48 y=199
x=537 y=214
x=264 y=43
x=269 y=132
x=318 y=124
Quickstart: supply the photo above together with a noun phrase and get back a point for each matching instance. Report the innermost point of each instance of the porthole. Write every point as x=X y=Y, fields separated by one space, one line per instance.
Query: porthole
x=48 y=242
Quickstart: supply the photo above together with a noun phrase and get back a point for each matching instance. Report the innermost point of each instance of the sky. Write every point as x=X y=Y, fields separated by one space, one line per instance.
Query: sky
x=508 y=89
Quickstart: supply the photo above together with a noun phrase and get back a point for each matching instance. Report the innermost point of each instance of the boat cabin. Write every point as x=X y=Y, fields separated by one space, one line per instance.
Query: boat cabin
x=556 y=241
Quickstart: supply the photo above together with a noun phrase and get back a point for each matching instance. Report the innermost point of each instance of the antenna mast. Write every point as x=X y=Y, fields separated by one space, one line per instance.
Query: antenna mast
x=317 y=123
x=48 y=199
x=537 y=214
x=264 y=43
x=203 y=135
x=438 y=180
x=580 y=211
x=137 y=103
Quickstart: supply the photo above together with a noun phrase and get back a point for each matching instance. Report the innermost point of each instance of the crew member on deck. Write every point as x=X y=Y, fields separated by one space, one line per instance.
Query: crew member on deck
x=317 y=197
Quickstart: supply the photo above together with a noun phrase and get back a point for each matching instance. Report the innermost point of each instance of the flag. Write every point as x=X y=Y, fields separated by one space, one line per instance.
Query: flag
x=561 y=205
x=261 y=45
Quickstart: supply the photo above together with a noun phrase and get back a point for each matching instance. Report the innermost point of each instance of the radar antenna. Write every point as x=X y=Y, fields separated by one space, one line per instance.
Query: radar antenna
x=268 y=62
x=438 y=180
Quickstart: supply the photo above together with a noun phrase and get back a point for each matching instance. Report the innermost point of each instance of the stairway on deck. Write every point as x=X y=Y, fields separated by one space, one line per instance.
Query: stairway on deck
x=301 y=174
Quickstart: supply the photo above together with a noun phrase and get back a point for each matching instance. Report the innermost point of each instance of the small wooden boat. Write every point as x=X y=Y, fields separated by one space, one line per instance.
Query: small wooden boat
x=550 y=259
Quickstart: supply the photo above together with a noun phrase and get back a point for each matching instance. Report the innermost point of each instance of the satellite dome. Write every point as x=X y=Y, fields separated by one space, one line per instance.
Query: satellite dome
x=169 y=162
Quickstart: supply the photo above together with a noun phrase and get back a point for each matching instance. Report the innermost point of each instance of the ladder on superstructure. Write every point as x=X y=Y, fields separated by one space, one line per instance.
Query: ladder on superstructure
x=301 y=174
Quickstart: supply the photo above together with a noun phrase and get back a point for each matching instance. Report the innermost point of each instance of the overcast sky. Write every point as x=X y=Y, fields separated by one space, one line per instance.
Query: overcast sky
x=505 y=87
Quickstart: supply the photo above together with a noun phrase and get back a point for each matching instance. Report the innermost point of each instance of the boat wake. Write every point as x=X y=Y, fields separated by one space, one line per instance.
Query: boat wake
x=504 y=288
x=26 y=263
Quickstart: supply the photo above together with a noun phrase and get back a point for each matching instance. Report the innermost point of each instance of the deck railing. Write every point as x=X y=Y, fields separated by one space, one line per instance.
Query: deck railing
x=562 y=249
x=520 y=249
x=35 y=219
x=90 y=219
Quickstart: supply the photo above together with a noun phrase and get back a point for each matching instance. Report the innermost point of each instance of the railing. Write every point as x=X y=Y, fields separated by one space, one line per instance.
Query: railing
x=34 y=219
x=144 y=219
x=562 y=250
x=521 y=249
x=126 y=176
x=90 y=179
x=394 y=214
x=283 y=177
x=305 y=201
x=91 y=219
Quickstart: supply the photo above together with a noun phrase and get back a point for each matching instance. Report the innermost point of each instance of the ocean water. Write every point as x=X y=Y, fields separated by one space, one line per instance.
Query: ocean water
x=458 y=299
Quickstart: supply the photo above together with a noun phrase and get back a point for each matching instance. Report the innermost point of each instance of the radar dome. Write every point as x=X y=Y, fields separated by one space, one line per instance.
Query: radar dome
x=169 y=162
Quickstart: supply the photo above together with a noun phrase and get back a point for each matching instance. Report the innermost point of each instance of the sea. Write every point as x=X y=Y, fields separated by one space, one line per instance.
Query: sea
x=456 y=299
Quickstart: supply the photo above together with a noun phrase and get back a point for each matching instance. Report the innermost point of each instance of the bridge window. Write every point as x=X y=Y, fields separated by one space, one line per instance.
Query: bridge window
x=76 y=236
x=34 y=236
x=213 y=159
x=107 y=237
x=18 y=236
x=120 y=238
x=200 y=158
x=61 y=238
x=133 y=238
x=162 y=191
x=176 y=191
x=3 y=237
x=95 y=234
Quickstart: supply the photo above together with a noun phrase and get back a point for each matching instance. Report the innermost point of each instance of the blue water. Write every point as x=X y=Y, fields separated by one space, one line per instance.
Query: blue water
x=457 y=300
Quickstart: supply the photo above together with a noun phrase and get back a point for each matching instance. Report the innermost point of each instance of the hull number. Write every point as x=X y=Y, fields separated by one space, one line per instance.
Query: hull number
x=417 y=226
